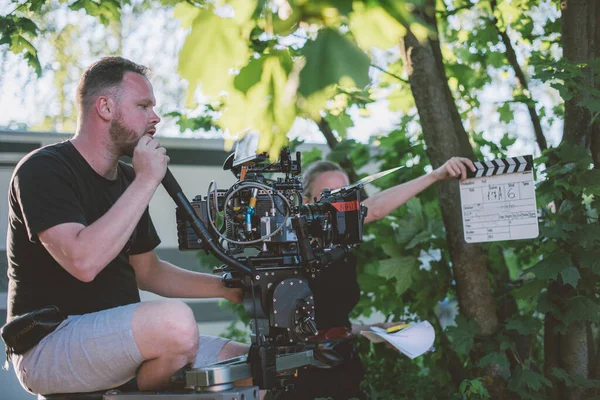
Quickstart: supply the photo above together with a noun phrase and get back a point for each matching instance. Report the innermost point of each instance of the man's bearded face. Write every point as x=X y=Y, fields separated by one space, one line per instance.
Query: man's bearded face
x=124 y=138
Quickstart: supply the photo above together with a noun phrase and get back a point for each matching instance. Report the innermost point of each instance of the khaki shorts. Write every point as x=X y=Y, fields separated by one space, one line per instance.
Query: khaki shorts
x=92 y=352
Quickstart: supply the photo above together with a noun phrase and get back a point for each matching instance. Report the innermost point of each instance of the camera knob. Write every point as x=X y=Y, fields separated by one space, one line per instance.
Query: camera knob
x=307 y=325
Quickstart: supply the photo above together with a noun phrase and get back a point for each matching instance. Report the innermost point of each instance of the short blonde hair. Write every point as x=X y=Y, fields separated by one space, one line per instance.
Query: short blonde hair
x=103 y=77
x=313 y=171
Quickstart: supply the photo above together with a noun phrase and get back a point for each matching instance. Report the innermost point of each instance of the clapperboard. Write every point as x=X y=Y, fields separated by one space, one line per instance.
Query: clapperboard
x=498 y=201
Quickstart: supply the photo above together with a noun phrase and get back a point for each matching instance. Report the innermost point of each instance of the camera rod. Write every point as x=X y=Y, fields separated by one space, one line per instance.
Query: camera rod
x=172 y=187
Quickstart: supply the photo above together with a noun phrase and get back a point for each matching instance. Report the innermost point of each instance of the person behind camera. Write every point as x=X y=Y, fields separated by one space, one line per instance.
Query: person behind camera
x=80 y=238
x=336 y=291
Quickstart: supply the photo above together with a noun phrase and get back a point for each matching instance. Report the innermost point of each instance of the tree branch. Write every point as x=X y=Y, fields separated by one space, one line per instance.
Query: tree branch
x=446 y=13
x=389 y=73
x=511 y=56
x=15 y=10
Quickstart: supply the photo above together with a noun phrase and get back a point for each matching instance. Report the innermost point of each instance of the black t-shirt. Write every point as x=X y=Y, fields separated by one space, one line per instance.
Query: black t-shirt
x=55 y=185
x=336 y=292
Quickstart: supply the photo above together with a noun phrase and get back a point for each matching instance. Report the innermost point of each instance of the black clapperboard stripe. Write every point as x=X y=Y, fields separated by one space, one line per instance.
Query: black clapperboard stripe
x=501 y=166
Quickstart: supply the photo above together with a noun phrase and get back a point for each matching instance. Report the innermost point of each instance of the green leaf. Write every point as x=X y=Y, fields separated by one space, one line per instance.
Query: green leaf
x=495 y=359
x=419 y=238
x=250 y=75
x=20 y=45
x=587 y=236
x=524 y=378
x=593 y=105
x=186 y=13
x=243 y=9
x=574 y=380
x=530 y=290
x=204 y=122
x=106 y=11
x=546 y=305
x=372 y=26
x=496 y=59
x=589 y=178
x=506 y=343
x=462 y=335
x=523 y=325
x=590 y=259
x=211 y=49
x=329 y=59
x=267 y=107
x=412 y=222
x=27 y=26
x=35 y=5
x=581 y=308
x=569 y=153
x=310 y=156
x=551 y=266
x=340 y=123
x=401 y=269
x=507 y=141
x=570 y=276
x=564 y=92
x=401 y=99
x=506 y=114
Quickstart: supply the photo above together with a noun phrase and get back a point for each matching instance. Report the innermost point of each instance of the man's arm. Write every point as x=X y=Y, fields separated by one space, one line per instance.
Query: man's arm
x=85 y=250
x=165 y=279
x=387 y=201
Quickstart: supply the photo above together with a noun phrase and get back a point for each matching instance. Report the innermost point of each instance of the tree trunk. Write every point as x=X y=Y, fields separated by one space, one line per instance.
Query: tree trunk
x=579 y=31
x=552 y=353
x=574 y=355
x=445 y=137
x=578 y=34
x=595 y=139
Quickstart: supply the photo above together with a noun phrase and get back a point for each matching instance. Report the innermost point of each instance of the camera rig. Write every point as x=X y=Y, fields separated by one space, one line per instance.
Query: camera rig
x=271 y=246
x=260 y=222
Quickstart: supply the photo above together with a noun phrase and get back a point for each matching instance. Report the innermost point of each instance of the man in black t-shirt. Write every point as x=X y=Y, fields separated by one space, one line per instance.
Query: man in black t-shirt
x=80 y=238
x=336 y=290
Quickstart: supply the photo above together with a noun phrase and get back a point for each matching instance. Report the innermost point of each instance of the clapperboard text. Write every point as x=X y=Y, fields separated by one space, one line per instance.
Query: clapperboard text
x=498 y=201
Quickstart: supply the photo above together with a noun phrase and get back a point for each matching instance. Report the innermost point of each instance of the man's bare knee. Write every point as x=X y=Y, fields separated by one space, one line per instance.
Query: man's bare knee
x=165 y=327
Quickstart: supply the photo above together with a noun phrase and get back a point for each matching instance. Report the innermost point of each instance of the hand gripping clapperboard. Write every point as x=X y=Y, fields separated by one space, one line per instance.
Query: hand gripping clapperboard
x=498 y=201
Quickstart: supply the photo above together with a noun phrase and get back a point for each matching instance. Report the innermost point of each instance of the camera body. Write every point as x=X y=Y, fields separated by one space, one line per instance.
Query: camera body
x=262 y=223
x=254 y=209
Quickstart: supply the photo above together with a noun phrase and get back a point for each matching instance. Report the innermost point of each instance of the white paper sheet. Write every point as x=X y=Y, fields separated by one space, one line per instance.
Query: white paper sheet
x=411 y=341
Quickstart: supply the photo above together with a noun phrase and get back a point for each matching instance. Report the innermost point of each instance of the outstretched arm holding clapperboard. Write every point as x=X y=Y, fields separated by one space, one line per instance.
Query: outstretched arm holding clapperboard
x=498 y=201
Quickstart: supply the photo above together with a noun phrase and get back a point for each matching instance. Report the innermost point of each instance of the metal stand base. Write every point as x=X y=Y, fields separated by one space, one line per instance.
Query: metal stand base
x=238 y=393
x=215 y=382
x=235 y=369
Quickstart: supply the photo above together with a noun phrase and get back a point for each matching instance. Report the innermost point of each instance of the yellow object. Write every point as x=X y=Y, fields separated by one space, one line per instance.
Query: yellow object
x=396 y=328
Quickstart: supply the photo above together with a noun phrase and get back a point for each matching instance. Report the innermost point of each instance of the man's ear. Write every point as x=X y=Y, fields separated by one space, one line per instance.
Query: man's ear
x=105 y=107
